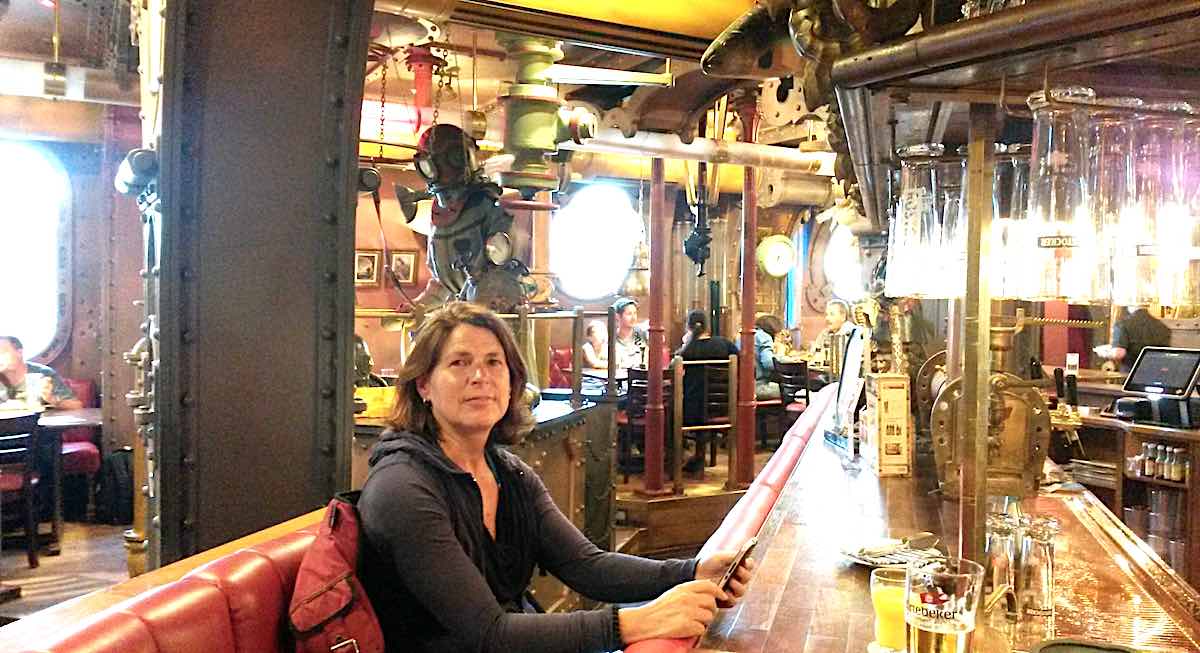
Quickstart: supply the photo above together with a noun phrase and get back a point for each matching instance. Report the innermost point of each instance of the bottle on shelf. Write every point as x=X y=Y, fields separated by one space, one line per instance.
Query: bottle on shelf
x=1160 y=461
x=1177 y=465
x=1148 y=460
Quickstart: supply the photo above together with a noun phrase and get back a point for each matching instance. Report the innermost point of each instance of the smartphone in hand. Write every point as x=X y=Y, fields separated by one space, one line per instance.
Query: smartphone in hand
x=743 y=553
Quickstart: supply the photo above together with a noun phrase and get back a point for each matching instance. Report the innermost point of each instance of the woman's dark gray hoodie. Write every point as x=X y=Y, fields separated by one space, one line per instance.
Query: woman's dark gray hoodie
x=439 y=582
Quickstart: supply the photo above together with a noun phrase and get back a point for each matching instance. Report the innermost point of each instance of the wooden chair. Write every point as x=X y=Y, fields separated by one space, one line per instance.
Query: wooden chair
x=19 y=474
x=632 y=428
x=719 y=406
x=793 y=390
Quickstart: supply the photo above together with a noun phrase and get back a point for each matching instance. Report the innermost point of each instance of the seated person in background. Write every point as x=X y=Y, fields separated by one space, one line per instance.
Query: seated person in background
x=453 y=524
x=53 y=391
x=1137 y=331
x=595 y=347
x=837 y=323
x=765 y=329
x=631 y=339
x=701 y=346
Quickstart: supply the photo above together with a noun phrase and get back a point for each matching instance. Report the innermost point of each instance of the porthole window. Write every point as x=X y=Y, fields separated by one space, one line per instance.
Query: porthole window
x=843 y=265
x=593 y=240
x=35 y=197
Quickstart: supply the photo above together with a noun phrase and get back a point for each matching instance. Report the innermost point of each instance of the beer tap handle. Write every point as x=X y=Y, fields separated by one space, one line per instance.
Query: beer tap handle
x=1035 y=369
x=1060 y=391
x=1072 y=391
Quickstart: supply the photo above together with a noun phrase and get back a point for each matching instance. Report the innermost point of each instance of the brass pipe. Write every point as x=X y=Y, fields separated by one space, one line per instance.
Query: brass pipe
x=977 y=319
x=577 y=358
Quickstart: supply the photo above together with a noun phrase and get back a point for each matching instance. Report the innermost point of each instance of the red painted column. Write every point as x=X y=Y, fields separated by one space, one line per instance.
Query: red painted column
x=747 y=108
x=660 y=237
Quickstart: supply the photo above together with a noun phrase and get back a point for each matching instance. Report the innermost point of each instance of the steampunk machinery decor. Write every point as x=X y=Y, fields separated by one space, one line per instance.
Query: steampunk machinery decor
x=820 y=31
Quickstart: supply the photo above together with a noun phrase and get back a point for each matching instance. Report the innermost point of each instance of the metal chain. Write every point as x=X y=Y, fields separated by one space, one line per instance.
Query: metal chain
x=387 y=60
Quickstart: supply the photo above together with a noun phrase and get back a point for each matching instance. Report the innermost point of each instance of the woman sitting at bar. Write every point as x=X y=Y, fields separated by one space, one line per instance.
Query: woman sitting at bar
x=454 y=524
x=595 y=348
x=699 y=345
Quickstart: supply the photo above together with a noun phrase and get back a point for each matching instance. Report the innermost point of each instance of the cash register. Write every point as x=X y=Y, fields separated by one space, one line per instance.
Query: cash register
x=1162 y=385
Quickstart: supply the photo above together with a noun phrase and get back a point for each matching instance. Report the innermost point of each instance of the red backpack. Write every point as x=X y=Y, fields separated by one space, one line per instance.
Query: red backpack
x=329 y=609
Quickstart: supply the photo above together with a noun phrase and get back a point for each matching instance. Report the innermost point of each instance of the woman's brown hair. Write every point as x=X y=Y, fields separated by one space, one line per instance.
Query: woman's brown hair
x=411 y=413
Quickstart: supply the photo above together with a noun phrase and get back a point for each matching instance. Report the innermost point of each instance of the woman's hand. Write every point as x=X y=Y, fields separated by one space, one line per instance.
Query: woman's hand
x=713 y=568
x=682 y=611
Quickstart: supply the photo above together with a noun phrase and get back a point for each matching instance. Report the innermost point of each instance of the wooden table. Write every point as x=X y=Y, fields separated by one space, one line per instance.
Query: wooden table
x=807 y=597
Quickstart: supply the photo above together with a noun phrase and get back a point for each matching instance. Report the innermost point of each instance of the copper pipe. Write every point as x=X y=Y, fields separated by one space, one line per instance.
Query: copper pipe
x=1032 y=26
x=743 y=473
x=660 y=230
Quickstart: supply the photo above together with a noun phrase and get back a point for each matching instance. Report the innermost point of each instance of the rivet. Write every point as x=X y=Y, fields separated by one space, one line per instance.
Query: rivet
x=330 y=277
x=326 y=392
x=331 y=161
x=186 y=400
x=331 y=217
x=327 y=450
x=336 y=100
x=187 y=337
x=189 y=461
x=327 y=333
x=341 y=40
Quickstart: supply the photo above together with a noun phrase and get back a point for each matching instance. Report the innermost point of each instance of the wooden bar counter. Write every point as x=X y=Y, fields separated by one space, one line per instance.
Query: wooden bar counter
x=807 y=597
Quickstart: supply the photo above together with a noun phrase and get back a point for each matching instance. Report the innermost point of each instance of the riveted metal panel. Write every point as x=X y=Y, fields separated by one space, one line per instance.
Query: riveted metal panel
x=260 y=126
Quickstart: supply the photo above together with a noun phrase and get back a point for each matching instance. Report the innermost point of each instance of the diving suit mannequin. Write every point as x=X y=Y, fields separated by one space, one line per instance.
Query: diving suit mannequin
x=470 y=251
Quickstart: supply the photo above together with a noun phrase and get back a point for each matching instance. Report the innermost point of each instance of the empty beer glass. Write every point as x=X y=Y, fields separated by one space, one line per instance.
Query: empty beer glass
x=916 y=216
x=1185 y=273
x=1151 y=225
x=941 y=602
x=1010 y=192
x=1036 y=594
x=1063 y=237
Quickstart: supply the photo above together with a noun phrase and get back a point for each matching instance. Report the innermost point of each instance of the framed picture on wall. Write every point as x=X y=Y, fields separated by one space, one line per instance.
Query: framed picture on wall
x=366 y=268
x=404 y=265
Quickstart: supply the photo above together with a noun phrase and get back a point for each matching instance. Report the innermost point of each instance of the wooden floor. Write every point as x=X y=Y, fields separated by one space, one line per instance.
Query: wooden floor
x=712 y=483
x=92 y=558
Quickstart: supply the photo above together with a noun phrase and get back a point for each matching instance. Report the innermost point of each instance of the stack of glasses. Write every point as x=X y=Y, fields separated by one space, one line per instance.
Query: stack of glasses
x=1104 y=206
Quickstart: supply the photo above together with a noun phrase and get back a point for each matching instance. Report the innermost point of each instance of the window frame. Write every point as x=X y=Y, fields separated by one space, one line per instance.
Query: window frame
x=634 y=195
x=64 y=254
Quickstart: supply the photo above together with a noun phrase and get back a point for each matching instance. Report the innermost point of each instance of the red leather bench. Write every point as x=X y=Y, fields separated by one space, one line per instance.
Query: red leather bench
x=237 y=602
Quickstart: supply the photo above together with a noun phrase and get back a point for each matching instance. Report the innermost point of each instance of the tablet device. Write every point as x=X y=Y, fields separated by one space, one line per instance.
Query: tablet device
x=1164 y=371
x=747 y=547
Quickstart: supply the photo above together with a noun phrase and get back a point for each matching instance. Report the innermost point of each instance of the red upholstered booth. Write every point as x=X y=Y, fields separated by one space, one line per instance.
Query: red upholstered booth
x=239 y=602
x=236 y=603
x=81 y=454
